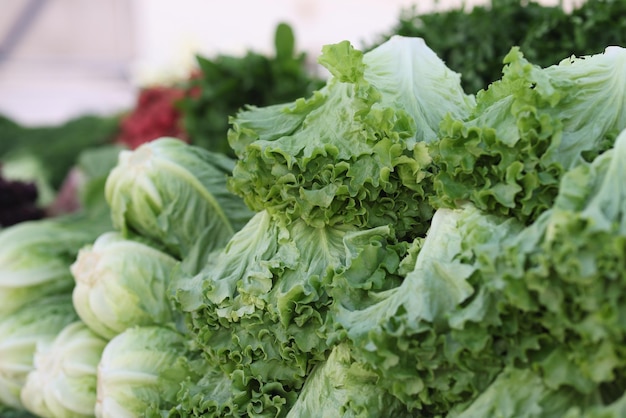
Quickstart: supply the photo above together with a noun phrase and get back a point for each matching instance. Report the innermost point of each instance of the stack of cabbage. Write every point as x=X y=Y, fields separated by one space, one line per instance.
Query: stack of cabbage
x=86 y=323
x=389 y=246
x=35 y=291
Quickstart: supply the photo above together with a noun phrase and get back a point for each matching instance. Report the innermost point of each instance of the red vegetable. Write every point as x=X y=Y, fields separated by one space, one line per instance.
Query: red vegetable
x=154 y=116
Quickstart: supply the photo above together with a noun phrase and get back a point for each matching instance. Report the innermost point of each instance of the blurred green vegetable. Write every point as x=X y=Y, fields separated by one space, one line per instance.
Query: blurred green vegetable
x=57 y=146
x=63 y=381
x=225 y=84
x=35 y=257
x=21 y=333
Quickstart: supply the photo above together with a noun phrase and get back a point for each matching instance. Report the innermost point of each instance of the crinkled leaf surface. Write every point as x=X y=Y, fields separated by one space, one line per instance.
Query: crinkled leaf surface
x=528 y=129
x=355 y=151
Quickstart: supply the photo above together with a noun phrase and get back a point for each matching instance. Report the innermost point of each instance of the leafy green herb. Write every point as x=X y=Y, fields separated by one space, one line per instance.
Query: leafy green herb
x=475 y=42
x=226 y=83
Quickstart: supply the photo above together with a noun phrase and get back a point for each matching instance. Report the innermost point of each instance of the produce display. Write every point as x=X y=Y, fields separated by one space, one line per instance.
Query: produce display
x=386 y=245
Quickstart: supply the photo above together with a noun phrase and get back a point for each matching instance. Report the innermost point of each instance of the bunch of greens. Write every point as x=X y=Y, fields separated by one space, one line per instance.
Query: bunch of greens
x=355 y=152
x=224 y=84
x=474 y=42
x=503 y=282
x=528 y=129
x=339 y=181
x=488 y=303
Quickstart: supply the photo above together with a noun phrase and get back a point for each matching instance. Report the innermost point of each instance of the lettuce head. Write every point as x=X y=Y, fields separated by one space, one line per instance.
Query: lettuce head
x=32 y=327
x=63 y=381
x=35 y=257
x=174 y=194
x=567 y=270
x=121 y=283
x=355 y=152
x=259 y=308
x=528 y=129
x=141 y=369
x=435 y=340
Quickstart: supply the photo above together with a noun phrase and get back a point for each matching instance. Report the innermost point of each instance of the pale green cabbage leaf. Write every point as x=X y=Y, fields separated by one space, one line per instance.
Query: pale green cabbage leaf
x=22 y=332
x=173 y=193
x=63 y=381
x=121 y=283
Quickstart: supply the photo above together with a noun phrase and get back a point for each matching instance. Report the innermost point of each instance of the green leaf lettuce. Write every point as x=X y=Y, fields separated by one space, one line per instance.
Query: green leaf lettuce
x=355 y=151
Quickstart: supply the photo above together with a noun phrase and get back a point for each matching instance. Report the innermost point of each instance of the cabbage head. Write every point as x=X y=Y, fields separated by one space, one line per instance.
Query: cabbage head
x=63 y=382
x=35 y=257
x=120 y=283
x=22 y=332
x=173 y=193
x=141 y=369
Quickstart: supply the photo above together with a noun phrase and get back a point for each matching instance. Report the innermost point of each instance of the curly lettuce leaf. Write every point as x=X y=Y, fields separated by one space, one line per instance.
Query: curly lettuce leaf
x=521 y=393
x=567 y=270
x=441 y=336
x=205 y=392
x=355 y=151
x=343 y=388
x=528 y=129
x=259 y=307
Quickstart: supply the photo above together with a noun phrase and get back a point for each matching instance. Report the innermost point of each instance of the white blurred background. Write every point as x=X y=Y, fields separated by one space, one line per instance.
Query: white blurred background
x=63 y=58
